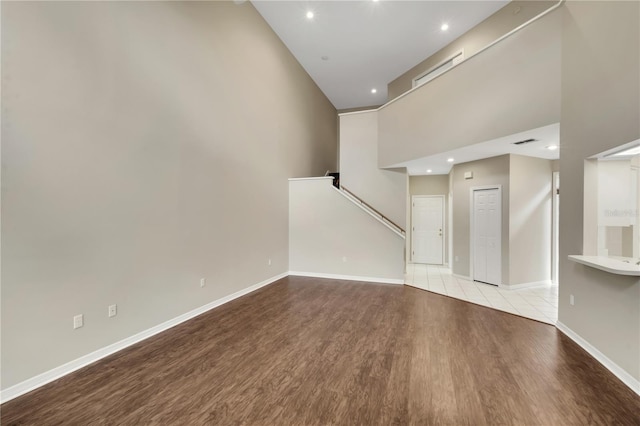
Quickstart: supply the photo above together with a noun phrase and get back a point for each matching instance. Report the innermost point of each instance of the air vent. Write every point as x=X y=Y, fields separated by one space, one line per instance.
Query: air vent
x=525 y=141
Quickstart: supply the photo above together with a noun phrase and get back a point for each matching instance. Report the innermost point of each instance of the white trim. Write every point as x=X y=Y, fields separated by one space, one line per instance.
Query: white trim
x=312 y=178
x=342 y=114
x=555 y=210
x=618 y=371
x=347 y=277
x=444 y=224
x=526 y=285
x=62 y=370
x=450 y=257
x=472 y=226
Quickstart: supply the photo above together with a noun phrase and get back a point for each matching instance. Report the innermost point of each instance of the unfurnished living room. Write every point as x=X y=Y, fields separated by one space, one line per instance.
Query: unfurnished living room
x=364 y=212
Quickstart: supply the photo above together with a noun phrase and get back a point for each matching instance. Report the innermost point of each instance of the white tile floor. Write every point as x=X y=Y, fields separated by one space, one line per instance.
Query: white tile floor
x=538 y=303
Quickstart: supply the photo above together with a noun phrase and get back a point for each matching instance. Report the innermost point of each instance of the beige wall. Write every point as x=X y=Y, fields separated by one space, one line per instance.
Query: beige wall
x=483 y=98
x=329 y=234
x=431 y=185
x=491 y=171
x=139 y=154
x=385 y=190
x=600 y=110
x=529 y=220
x=504 y=20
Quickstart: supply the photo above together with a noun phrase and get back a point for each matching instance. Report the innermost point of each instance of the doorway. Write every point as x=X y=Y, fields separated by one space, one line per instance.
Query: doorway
x=486 y=234
x=427 y=229
x=554 y=237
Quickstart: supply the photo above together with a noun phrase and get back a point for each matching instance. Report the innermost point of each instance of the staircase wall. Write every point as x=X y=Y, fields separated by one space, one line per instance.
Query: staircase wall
x=385 y=190
x=330 y=236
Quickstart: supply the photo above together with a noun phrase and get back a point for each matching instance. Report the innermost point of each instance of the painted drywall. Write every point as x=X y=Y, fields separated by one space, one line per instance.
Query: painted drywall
x=500 y=23
x=385 y=190
x=600 y=110
x=481 y=99
x=530 y=218
x=490 y=171
x=330 y=235
x=139 y=154
x=431 y=185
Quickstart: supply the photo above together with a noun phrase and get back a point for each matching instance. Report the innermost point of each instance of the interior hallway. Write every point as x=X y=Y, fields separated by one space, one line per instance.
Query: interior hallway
x=538 y=303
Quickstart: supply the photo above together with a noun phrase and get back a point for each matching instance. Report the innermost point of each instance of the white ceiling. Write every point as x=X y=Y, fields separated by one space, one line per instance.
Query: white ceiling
x=438 y=164
x=368 y=43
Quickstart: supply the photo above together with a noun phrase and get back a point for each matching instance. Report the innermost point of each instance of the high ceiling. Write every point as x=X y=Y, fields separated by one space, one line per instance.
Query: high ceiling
x=352 y=47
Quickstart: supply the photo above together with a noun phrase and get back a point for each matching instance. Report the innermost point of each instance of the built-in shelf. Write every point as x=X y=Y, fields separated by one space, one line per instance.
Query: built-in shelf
x=607 y=264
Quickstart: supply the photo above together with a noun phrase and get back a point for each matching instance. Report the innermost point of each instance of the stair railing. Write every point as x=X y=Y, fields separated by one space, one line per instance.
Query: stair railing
x=372 y=210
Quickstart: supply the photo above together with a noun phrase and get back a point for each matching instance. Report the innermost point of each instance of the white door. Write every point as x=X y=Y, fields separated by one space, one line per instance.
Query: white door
x=487 y=229
x=427 y=235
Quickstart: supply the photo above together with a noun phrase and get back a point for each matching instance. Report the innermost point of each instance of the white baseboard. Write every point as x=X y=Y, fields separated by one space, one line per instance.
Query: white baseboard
x=618 y=371
x=53 y=374
x=347 y=277
x=526 y=285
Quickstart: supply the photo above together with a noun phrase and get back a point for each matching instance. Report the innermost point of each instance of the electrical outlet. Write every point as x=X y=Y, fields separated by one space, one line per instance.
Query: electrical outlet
x=113 y=310
x=78 y=321
x=203 y=282
x=344 y=258
x=572 y=300
x=457 y=258
x=269 y=262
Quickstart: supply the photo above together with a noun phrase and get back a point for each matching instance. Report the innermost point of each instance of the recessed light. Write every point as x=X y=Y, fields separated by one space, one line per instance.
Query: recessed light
x=429 y=171
x=451 y=160
x=374 y=90
x=375 y=1
x=324 y=58
x=444 y=27
x=309 y=15
x=552 y=147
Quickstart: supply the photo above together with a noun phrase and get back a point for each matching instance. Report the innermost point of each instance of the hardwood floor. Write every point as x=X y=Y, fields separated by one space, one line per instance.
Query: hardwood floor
x=306 y=351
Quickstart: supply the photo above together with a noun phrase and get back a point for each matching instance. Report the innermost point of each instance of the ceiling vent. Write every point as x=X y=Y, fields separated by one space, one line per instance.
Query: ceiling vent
x=525 y=141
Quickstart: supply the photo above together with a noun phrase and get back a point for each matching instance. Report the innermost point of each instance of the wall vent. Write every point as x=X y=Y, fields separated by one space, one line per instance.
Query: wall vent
x=525 y=141
x=440 y=68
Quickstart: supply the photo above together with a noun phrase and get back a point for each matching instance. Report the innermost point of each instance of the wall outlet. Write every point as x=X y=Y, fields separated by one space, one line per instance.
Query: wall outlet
x=269 y=262
x=113 y=310
x=457 y=258
x=344 y=258
x=78 y=321
x=203 y=282
x=572 y=300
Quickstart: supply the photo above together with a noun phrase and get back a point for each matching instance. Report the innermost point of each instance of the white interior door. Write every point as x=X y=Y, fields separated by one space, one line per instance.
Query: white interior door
x=487 y=235
x=427 y=235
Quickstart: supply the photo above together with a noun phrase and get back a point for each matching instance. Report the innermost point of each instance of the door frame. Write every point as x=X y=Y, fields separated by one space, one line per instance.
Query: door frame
x=472 y=244
x=413 y=197
x=555 y=215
